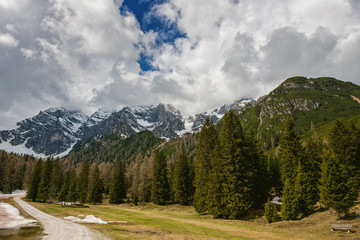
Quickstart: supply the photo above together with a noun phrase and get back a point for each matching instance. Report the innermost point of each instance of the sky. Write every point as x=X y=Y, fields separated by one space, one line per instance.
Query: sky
x=196 y=55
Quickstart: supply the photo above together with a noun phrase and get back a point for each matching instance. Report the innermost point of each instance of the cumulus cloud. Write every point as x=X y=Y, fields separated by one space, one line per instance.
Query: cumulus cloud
x=7 y=40
x=84 y=54
x=65 y=53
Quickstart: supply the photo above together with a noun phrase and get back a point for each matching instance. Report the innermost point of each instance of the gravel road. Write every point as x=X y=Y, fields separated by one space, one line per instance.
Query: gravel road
x=56 y=228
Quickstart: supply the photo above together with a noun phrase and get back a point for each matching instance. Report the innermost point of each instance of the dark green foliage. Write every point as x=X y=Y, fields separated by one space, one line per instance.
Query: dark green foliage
x=118 y=184
x=289 y=207
x=236 y=168
x=182 y=182
x=291 y=151
x=160 y=191
x=336 y=187
x=96 y=187
x=44 y=186
x=203 y=166
x=306 y=191
x=57 y=178
x=259 y=178
x=311 y=102
x=64 y=187
x=274 y=173
x=72 y=194
x=116 y=147
x=340 y=172
x=271 y=213
x=35 y=181
x=214 y=202
x=83 y=181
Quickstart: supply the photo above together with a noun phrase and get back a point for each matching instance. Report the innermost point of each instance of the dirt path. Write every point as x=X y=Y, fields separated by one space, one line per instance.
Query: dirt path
x=56 y=228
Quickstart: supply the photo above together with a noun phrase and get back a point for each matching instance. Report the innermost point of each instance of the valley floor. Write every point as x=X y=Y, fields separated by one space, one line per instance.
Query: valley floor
x=182 y=222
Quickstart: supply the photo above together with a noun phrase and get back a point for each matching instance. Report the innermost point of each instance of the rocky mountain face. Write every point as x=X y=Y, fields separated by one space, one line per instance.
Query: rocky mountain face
x=50 y=132
x=57 y=131
x=311 y=102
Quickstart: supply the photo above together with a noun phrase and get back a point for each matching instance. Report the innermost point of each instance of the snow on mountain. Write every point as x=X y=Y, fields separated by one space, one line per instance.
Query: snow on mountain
x=99 y=116
x=56 y=131
x=51 y=132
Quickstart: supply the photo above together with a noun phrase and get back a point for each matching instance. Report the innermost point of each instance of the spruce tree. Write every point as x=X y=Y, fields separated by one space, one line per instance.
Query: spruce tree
x=44 y=186
x=72 y=195
x=214 y=203
x=64 y=187
x=181 y=180
x=57 y=178
x=96 y=187
x=236 y=195
x=270 y=212
x=118 y=184
x=306 y=191
x=289 y=207
x=291 y=155
x=160 y=191
x=337 y=190
x=83 y=181
x=259 y=179
x=203 y=167
x=291 y=151
x=274 y=173
x=35 y=181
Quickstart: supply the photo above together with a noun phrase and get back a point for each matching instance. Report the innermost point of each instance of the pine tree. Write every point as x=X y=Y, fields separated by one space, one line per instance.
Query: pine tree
x=237 y=171
x=203 y=167
x=118 y=185
x=35 y=181
x=214 y=203
x=72 y=195
x=96 y=187
x=64 y=187
x=270 y=212
x=291 y=151
x=44 y=186
x=337 y=190
x=182 y=182
x=57 y=178
x=83 y=182
x=160 y=192
x=291 y=155
x=306 y=191
x=340 y=176
x=259 y=178
x=289 y=207
x=274 y=173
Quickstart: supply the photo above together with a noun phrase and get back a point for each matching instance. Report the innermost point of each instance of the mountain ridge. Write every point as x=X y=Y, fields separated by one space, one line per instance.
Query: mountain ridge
x=56 y=131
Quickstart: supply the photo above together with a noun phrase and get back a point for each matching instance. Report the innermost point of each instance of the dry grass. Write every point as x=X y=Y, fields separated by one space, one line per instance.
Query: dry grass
x=150 y=221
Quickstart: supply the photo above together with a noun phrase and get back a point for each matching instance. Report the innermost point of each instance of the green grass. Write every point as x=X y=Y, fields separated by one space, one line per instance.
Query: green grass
x=182 y=222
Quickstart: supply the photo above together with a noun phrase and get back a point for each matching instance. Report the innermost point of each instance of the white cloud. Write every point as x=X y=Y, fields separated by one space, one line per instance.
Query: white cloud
x=8 y=40
x=84 y=54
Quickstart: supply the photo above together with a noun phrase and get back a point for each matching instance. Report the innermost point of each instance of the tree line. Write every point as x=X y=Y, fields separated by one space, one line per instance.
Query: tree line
x=229 y=175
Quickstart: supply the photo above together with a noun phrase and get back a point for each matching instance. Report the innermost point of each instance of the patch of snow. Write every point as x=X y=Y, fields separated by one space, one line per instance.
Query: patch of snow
x=12 y=217
x=66 y=152
x=144 y=123
x=140 y=109
x=20 y=149
x=15 y=193
x=90 y=219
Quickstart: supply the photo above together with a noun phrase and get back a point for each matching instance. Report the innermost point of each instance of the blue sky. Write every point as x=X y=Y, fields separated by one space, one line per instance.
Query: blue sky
x=196 y=55
x=168 y=32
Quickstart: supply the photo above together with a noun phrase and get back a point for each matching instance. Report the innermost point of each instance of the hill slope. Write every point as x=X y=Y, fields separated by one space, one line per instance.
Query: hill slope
x=311 y=102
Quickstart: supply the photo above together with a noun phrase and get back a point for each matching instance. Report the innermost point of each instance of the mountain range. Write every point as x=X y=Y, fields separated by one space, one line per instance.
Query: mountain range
x=313 y=103
x=56 y=131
